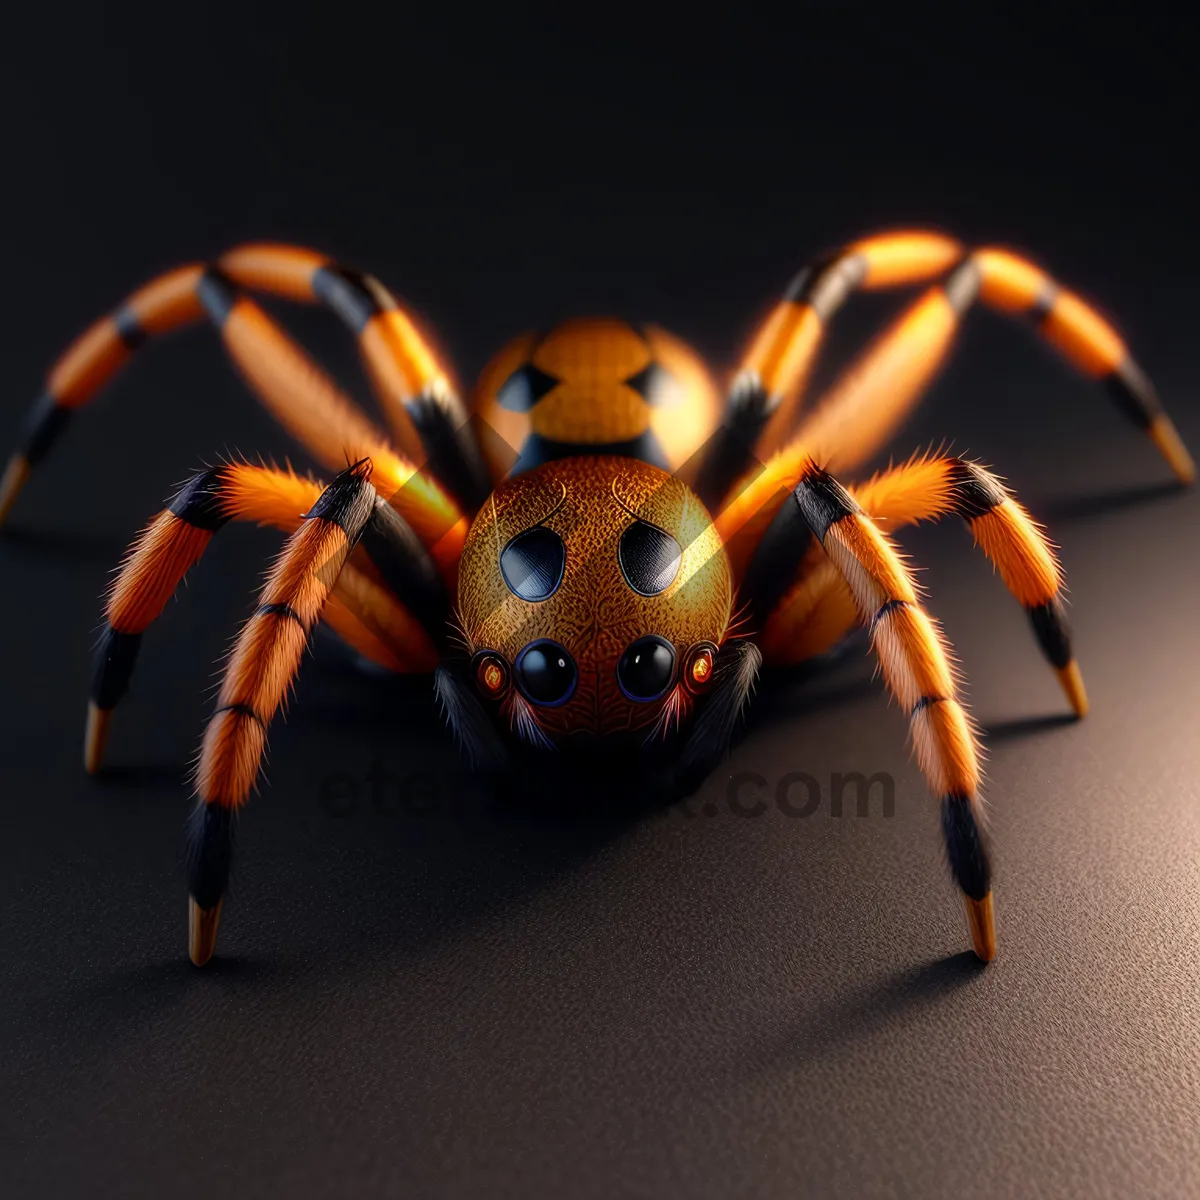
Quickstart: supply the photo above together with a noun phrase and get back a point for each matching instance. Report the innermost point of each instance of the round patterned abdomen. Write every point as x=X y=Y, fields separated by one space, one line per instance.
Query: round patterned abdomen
x=595 y=386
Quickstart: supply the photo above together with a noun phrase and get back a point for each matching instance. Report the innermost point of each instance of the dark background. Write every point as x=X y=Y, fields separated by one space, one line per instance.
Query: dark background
x=439 y=998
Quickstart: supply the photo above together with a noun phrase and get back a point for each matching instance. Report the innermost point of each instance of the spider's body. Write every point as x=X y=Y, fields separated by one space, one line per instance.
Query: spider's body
x=602 y=552
x=592 y=557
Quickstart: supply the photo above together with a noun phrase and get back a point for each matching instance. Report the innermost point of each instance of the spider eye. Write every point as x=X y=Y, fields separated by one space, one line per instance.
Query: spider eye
x=546 y=673
x=491 y=674
x=699 y=666
x=532 y=563
x=646 y=668
x=649 y=558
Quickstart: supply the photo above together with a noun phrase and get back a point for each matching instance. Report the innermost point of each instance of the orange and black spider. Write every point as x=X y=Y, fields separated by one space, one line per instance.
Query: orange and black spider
x=569 y=560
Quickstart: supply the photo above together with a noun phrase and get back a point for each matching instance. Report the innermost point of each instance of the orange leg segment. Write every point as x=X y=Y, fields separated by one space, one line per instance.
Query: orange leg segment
x=362 y=609
x=930 y=487
x=420 y=402
x=816 y=611
x=866 y=406
x=258 y=678
x=915 y=662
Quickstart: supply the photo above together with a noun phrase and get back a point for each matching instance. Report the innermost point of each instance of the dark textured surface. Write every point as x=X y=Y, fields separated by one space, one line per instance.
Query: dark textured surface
x=420 y=994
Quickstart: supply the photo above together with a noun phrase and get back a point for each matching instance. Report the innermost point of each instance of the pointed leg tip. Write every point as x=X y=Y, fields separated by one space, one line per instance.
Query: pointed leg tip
x=11 y=483
x=1072 y=685
x=981 y=920
x=1170 y=445
x=202 y=930
x=95 y=737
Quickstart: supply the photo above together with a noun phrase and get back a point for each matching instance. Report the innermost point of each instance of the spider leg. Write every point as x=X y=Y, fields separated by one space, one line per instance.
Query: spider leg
x=258 y=678
x=388 y=602
x=915 y=663
x=767 y=387
x=930 y=487
x=866 y=406
x=413 y=387
x=297 y=392
x=810 y=615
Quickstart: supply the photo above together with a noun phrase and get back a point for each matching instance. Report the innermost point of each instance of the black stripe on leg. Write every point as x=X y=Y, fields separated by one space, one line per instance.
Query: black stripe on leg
x=801 y=284
x=450 y=454
x=820 y=502
x=347 y=502
x=286 y=611
x=114 y=661
x=1137 y=397
x=1044 y=302
x=209 y=854
x=218 y=294
x=888 y=606
x=243 y=710
x=1049 y=622
x=129 y=329
x=966 y=846
x=823 y=501
x=198 y=502
x=825 y=284
x=976 y=491
x=962 y=286
x=348 y=294
x=43 y=427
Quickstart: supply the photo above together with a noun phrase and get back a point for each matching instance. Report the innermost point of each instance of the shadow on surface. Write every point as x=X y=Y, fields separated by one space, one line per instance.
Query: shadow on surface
x=1019 y=727
x=396 y=901
x=857 y=1016
x=403 y=887
x=1080 y=508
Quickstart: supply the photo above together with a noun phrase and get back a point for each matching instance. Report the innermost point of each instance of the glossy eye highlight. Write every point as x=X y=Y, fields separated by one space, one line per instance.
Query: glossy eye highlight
x=649 y=558
x=533 y=562
x=699 y=666
x=646 y=668
x=546 y=673
x=491 y=674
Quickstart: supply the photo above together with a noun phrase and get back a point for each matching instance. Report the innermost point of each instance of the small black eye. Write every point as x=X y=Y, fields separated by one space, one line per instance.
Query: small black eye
x=546 y=672
x=646 y=668
x=532 y=563
x=649 y=558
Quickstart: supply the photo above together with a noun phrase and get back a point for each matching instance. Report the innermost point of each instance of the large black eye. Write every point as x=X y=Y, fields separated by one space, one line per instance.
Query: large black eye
x=649 y=558
x=646 y=668
x=546 y=672
x=532 y=563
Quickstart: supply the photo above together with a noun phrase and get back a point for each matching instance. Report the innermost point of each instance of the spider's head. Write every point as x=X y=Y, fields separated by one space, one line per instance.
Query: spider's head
x=594 y=595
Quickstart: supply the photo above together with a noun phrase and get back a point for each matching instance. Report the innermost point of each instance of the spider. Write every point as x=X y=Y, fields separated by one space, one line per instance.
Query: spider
x=602 y=552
